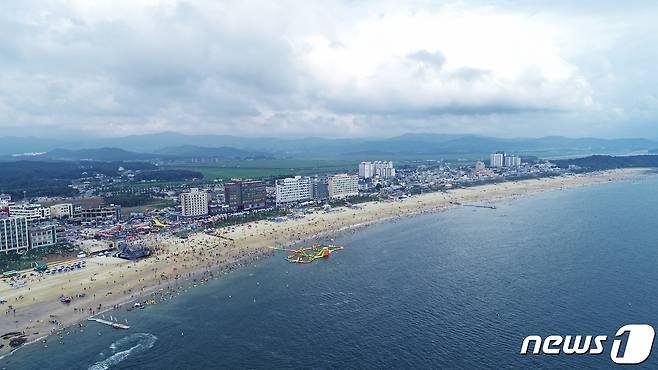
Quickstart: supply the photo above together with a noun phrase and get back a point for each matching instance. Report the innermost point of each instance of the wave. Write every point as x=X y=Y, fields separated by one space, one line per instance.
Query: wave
x=137 y=343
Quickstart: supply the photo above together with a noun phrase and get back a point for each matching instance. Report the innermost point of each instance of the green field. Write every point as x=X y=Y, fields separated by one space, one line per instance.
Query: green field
x=156 y=204
x=258 y=168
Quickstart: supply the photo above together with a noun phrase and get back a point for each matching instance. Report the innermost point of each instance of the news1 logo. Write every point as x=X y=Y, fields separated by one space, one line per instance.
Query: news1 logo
x=638 y=344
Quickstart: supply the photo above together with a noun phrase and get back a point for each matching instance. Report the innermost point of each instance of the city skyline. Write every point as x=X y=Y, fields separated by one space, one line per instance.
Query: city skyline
x=336 y=69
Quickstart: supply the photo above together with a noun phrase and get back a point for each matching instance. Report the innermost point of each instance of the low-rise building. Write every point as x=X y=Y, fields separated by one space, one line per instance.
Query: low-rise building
x=343 y=185
x=5 y=200
x=101 y=213
x=33 y=212
x=42 y=236
x=64 y=210
x=91 y=246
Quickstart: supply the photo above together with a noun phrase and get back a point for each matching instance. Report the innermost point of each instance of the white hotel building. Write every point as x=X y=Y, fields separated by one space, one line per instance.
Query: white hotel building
x=343 y=185
x=512 y=161
x=293 y=189
x=366 y=170
x=497 y=160
x=500 y=159
x=33 y=212
x=194 y=203
x=383 y=169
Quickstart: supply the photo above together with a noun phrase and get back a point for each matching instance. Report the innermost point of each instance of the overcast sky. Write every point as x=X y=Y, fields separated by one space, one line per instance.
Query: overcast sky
x=329 y=68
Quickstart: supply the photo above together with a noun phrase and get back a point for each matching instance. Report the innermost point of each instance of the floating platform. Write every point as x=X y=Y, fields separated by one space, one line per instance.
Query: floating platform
x=110 y=323
x=309 y=254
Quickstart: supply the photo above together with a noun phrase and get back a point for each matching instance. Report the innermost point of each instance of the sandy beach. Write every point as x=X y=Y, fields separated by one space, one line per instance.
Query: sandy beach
x=107 y=283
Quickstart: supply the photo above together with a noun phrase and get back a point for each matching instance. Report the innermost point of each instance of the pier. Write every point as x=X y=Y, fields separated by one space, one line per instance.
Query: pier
x=474 y=205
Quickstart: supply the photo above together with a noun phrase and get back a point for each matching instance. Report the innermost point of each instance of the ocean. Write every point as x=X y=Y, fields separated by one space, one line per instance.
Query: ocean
x=457 y=289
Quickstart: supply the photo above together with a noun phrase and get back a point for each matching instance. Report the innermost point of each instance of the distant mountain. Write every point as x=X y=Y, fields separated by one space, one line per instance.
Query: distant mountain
x=107 y=154
x=191 y=151
x=156 y=142
x=100 y=154
x=409 y=145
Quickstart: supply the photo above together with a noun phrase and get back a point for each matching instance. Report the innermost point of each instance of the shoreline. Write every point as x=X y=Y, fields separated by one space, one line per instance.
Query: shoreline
x=175 y=263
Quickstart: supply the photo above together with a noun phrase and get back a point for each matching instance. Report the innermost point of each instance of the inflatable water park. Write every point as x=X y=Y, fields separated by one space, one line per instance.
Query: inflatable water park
x=309 y=254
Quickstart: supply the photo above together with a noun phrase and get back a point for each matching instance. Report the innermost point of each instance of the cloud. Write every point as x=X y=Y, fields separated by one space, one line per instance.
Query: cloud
x=334 y=68
x=451 y=62
x=428 y=59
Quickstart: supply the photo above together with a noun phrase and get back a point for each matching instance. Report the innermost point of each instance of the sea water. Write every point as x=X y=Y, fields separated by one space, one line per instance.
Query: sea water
x=454 y=289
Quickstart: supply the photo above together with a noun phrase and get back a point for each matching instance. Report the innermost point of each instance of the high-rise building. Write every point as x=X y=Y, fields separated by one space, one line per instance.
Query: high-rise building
x=366 y=170
x=293 y=189
x=343 y=185
x=14 y=234
x=245 y=195
x=194 y=203
x=479 y=166
x=383 y=169
x=497 y=159
x=512 y=161
x=320 y=188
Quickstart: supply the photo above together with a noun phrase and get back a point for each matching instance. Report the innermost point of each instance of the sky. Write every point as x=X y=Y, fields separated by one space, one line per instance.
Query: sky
x=329 y=68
